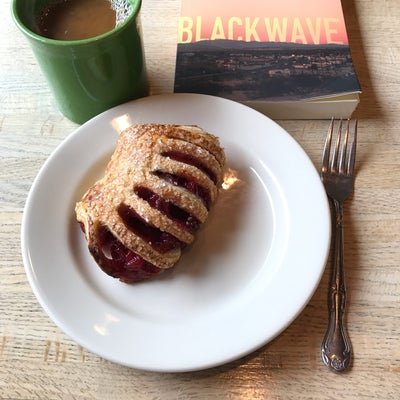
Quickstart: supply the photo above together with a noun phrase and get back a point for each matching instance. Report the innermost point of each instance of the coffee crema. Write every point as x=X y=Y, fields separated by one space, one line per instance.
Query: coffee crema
x=81 y=19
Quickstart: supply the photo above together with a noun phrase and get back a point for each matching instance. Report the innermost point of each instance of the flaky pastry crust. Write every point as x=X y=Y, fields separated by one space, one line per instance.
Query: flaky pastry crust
x=156 y=191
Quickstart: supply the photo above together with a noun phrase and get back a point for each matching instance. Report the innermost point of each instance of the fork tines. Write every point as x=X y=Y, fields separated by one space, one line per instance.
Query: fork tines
x=344 y=151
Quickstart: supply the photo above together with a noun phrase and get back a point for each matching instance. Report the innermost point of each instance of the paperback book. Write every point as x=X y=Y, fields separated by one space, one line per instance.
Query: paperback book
x=289 y=59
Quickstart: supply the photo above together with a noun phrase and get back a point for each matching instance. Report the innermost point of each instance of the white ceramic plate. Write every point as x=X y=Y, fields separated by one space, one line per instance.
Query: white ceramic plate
x=253 y=267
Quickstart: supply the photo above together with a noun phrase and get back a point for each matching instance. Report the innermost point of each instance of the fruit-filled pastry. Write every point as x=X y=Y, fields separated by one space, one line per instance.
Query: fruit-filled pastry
x=156 y=192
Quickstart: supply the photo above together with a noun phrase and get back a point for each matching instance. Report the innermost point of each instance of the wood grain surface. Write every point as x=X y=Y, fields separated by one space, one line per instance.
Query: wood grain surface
x=38 y=361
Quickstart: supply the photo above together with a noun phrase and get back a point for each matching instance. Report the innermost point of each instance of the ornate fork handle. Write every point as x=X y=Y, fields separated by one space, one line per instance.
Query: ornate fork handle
x=336 y=347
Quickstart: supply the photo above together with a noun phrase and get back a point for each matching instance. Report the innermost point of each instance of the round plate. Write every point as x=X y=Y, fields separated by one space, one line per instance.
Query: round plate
x=252 y=268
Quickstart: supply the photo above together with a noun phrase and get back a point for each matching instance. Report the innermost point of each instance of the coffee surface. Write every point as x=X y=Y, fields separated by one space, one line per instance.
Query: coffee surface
x=76 y=19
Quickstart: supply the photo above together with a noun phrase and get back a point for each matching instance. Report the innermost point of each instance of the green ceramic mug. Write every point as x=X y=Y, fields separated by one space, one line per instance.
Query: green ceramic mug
x=92 y=75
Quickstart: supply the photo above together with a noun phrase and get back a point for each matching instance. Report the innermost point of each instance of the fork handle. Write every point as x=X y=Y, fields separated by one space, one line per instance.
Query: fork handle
x=336 y=347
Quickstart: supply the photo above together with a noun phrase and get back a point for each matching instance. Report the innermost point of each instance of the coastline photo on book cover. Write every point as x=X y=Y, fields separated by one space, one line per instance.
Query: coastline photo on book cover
x=288 y=59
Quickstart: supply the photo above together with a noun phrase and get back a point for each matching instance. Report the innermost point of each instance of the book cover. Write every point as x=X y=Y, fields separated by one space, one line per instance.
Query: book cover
x=288 y=58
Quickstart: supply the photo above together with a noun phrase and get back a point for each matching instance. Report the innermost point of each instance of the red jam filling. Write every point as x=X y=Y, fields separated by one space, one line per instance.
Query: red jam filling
x=189 y=159
x=173 y=212
x=120 y=262
x=159 y=240
x=189 y=184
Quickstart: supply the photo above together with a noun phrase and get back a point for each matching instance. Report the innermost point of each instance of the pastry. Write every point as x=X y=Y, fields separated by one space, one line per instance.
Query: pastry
x=156 y=192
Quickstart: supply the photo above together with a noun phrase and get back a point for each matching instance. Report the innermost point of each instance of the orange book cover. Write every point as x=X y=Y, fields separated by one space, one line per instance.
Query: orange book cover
x=265 y=51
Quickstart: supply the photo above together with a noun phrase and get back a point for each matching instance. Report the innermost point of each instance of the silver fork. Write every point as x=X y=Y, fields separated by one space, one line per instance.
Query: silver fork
x=337 y=175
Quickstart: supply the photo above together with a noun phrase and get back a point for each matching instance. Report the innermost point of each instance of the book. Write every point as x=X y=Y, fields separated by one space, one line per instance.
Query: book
x=289 y=59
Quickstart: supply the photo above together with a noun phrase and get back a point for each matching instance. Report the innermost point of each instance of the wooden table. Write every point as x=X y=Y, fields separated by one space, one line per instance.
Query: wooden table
x=38 y=361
